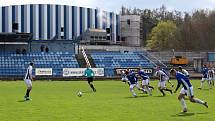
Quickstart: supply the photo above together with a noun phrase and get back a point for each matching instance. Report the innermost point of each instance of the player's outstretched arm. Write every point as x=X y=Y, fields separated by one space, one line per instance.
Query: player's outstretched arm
x=178 y=85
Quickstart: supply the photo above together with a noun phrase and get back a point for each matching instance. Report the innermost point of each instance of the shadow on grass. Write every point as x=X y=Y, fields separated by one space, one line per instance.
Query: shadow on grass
x=87 y=92
x=138 y=96
x=21 y=101
x=206 y=89
x=159 y=96
x=202 y=113
x=188 y=114
x=183 y=114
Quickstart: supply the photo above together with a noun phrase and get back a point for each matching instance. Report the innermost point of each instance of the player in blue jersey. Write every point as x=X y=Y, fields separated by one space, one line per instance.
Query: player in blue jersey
x=162 y=77
x=204 y=76
x=186 y=90
x=145 y=81
x=133 y=82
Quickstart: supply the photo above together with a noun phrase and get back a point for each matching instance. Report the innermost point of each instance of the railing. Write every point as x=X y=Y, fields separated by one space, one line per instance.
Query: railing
x=154 y=60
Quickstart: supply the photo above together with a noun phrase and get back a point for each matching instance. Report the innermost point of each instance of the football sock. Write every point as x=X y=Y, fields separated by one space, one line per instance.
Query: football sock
x=201 y=84
x=148 y=90
x=170 y=83
x=151 y=87
x=132 y=91
x=168 y=90
x=198 y=101
x=183 y=104
x=27 y=92
x=209 y=83
x=91 y=85
x=162 y=92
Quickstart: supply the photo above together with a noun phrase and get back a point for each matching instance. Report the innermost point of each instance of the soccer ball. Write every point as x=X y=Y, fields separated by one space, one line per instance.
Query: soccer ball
x=79 y=94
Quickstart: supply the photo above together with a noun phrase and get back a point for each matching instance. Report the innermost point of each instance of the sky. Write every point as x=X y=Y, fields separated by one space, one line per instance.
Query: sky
x=115 y=5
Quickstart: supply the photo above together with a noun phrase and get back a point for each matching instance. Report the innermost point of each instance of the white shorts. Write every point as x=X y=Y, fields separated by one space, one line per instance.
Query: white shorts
x=204 y=79
x=210 y=79
x=189 y=91
x=145 y=82
x=124 y=79
x=162 y=84
x=165 y=79
x=28 y=82
x=134 y=85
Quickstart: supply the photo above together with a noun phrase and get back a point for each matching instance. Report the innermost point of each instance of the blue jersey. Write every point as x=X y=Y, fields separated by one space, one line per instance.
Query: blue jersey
x=132 y=77
x=182 y=79
x=205 y=72
x=165 y=71
x=143 y=75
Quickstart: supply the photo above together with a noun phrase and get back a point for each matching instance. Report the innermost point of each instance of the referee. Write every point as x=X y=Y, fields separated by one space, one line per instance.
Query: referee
x=90 y=74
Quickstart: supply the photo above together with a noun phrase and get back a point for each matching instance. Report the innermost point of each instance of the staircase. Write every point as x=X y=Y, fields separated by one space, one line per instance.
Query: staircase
x=81 y=61
x=155 y=61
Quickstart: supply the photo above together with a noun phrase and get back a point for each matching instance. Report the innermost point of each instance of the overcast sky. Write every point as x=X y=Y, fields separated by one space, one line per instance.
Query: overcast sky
x=115 y=5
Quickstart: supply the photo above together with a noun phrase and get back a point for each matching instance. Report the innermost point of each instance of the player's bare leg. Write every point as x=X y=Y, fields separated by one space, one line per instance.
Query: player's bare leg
x=196 y=100
x=182 y=101
x=166 y=89
x=132 y=91
x=148 y=90
x=201 y=83
x=172 y=85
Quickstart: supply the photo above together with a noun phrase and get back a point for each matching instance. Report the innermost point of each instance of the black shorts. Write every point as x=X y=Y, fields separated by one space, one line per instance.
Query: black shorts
x=90 y=79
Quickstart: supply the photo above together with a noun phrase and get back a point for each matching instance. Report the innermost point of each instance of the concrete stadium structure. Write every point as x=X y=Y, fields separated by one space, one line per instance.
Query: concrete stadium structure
x=46 y=21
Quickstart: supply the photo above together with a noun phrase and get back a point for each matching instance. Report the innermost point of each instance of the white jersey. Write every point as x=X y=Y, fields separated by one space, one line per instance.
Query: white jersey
x=185 y=72
x=28 y=74
x=162 y=76
x=211 y=74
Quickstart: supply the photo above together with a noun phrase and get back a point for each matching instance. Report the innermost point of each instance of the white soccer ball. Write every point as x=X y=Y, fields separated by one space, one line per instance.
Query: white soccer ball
x=79 y=93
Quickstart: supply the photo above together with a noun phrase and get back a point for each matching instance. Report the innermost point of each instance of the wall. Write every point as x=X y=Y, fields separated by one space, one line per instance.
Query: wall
x=46 y=20
x=130 y=29
x=54 y=46
x=167 y=55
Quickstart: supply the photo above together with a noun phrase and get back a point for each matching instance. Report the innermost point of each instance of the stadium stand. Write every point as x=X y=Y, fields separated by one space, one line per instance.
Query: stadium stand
x=112 y=60
x=14 y=65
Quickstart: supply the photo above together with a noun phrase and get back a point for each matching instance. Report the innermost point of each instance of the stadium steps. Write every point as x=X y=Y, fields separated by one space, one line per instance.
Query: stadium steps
x=81 y=61
x=155 y=61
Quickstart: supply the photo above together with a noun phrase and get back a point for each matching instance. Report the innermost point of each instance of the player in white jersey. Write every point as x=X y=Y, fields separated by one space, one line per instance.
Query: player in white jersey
x=211 y=77
x=124 y=74
x=162 y=77
x=28 y=78
x=185 y=72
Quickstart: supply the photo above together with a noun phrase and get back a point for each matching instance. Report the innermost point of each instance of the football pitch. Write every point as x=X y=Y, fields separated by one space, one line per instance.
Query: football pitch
x=58 y=101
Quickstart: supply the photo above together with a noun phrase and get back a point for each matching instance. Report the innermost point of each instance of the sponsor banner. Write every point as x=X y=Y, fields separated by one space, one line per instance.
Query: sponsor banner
x=146 y=70
x=67 y=72
x=43 y=71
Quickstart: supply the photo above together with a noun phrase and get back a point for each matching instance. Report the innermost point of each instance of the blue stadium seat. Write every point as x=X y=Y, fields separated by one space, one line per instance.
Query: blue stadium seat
x=112 y=60
x=16 y=64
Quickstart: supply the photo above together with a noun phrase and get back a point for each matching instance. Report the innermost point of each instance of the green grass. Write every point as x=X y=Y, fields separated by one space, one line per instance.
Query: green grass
x=57 y=101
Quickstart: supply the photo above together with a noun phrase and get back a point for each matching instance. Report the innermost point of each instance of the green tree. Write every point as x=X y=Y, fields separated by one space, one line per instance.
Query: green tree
x=163 y=36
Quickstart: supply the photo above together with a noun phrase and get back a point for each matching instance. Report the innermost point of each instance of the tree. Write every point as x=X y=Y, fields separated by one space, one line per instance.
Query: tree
x=162 y=36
